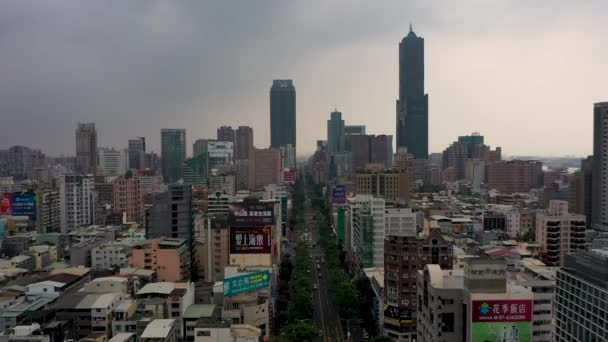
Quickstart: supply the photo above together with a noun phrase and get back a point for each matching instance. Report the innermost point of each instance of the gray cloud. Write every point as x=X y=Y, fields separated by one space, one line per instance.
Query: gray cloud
x=516 y=71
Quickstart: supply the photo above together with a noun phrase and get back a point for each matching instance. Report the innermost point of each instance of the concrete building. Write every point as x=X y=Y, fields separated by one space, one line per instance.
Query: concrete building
x=599 y=210
x=515 y=176
x=161 y=330
x=282 y=113
x=173 y=153
x=168 y=300
x=77 y=201
x=214 y=248
x=404 y=256
x=127 y=197
x=390 y=185
x=169 y=257
x=559 y=232
x=86 y=148
x=372 y=149
x=243 y=142
x=222 y=183
x=48 y=212
x=137 y=153
x=171 y=216
x=241 y=173
x=226 y=331
x=581 y=298
x=112 y=162
x=20 y=162
x=91 y=312
x=225 y=133
x=196 y=170
x=446 y=286
x=288 y=157
x=264 y=168
x=581 y=189
x=109 y=256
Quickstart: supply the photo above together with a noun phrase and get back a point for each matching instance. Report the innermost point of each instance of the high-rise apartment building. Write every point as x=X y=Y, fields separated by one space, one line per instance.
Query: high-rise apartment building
x=127 y=197
x=112 y=162
x=599 y=210
x=220 y=155
x=48 y=216
x=86 y=148
x=413 y=103
x=173 y=153
x=137 y=153
x=288 y=157
x=581 y=298
x=225 y=133
x=404 y=256
x=243 y=142
x=388 y=184
x=282 y=113
x=264 y=168
x=77 y=200
x=335 y=133
x=559 y=232
x=515 y=176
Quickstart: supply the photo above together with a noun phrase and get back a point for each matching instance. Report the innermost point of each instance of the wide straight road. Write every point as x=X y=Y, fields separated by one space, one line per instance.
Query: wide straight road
x=325 y=316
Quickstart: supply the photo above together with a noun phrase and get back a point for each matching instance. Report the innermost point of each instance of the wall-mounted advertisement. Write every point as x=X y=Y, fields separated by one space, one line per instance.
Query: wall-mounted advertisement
x=6 y=204
x=339 y=194
x=250 y=240
x=246 y=283
x=24 y=205
x=502 y=320
x=252 y=214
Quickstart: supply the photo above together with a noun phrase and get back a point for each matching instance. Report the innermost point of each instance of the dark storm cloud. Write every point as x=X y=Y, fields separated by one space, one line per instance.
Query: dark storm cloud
x=133 y=67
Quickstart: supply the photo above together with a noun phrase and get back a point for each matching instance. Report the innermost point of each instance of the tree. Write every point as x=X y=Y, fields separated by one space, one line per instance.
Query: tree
x=528 y=236
x=300 y=332
x=346 y=300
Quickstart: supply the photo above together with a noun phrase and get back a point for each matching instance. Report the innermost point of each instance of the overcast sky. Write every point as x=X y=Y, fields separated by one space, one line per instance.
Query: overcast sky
x=523 y=73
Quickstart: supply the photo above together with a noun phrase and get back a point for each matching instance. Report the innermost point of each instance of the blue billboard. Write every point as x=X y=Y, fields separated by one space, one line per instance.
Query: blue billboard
x=24 y=205
x=339 y=194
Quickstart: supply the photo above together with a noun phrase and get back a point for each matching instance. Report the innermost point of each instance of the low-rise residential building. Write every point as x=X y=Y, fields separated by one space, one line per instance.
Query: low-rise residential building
x=160 y=330
x=169 y=258
x=92 y=313
x=109 y=256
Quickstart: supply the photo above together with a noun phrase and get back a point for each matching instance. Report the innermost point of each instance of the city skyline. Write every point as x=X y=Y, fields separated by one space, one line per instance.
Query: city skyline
x=490 y=82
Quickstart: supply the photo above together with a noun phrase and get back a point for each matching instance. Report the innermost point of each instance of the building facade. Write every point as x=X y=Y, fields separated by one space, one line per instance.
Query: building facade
x=335 y=133
x=390 y=185
x=86 y=148
x=173 y=152
x=127 y=197
x=413 y=104
x=264 y=168
x=282 y=113
x=559 y=232
x=137 y=153
x=77 y=200
x=599 y=210
x=243 y=142
x=515 y=176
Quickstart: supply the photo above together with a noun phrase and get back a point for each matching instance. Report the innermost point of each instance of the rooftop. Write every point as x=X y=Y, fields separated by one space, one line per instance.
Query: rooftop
x=158 y=328
x=121 y=337
x=195 y=311
x=159 y=288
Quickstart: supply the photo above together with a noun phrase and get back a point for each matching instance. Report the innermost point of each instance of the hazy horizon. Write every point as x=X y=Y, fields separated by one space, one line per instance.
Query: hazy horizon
x=525 y=75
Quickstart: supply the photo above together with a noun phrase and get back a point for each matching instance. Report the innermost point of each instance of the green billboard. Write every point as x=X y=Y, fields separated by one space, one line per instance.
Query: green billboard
x=502 y=331
x=246 y=283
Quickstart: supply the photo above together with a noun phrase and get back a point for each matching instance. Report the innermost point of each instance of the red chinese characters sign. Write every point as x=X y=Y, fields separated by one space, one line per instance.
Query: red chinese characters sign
x=250 y=240
x=502 y=311
x=5 y=204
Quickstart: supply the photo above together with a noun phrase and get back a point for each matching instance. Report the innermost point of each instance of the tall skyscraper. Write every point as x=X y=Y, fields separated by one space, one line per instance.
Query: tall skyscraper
x=335 y=133
x=599 y=209
x=86 y=148
x=225 y=133
x=413 y=103
x=137 y=153
x=173 y=153
x=349 y=132
x=243 y=142
x=112 y=162
x=282 y=113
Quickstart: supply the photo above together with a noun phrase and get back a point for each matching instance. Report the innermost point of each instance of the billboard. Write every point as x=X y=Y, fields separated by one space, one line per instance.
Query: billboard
x=24 y=205
x=258 y=214
x=246 y=283
x=250 y=240
x=289 y=176
x=5 y=204
x=339 y=194
x=502 y=320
